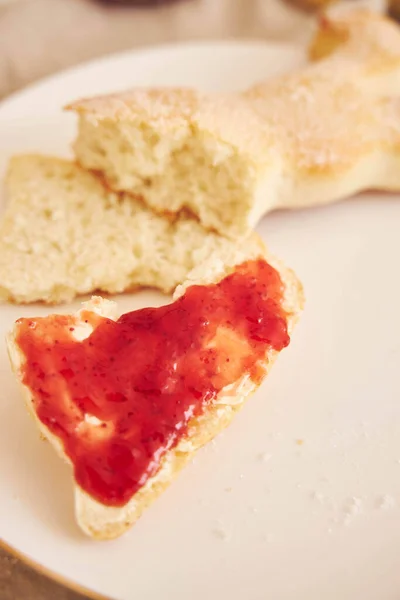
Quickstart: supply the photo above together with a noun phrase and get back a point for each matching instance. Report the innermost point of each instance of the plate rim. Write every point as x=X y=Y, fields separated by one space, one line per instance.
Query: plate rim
x=54 y=79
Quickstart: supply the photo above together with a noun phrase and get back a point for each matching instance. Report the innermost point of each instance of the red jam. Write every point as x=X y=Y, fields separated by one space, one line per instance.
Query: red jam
x=122 y=397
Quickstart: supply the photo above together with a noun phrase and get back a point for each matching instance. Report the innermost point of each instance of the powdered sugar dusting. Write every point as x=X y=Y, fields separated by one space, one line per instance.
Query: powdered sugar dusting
x=324 y=116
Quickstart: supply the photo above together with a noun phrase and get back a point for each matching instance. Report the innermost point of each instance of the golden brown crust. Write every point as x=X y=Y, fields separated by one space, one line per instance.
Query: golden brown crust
x=328 y=37
x=166 y=108
x=368 y=37
x=312 y=136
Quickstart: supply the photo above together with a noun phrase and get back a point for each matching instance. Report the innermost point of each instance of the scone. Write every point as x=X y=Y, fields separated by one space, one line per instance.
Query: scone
x=313 y=136
x=128 y=401
x=64 y=234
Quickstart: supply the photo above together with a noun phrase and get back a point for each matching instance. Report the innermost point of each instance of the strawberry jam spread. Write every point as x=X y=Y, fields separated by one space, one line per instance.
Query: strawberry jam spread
x=119 y=399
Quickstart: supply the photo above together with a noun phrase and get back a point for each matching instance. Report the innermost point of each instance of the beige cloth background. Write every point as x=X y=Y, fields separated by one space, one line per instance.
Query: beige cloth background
x=39 y=37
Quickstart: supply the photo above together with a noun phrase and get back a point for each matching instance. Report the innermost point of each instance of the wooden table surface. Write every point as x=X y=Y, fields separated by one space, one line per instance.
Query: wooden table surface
x=81 y=30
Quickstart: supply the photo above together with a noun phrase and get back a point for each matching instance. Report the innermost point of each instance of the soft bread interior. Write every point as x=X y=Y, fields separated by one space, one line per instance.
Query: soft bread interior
x=174 y=165
x=64 y=234
x=312 y=136
x=103 y=522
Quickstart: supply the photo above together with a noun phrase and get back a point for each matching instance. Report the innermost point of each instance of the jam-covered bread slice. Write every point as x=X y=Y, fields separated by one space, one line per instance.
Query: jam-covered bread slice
x=128 y=400
x=314 y=135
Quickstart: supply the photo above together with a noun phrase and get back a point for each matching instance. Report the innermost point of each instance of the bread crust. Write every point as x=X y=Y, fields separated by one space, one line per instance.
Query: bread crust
x=102 y=522
x=312 y=136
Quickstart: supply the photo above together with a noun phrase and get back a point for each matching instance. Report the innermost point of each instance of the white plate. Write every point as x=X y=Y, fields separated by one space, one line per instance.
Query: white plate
x=259 y=515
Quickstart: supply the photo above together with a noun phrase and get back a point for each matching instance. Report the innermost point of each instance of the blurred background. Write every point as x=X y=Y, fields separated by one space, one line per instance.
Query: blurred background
x=39 y=37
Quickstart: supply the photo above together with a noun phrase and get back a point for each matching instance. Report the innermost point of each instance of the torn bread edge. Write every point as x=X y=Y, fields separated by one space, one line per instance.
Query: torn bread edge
x=103 y=522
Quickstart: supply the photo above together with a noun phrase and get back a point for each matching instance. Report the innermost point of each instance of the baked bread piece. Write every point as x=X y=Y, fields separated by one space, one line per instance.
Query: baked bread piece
x=231 y=354
x=64 y=234
x=313 y=136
